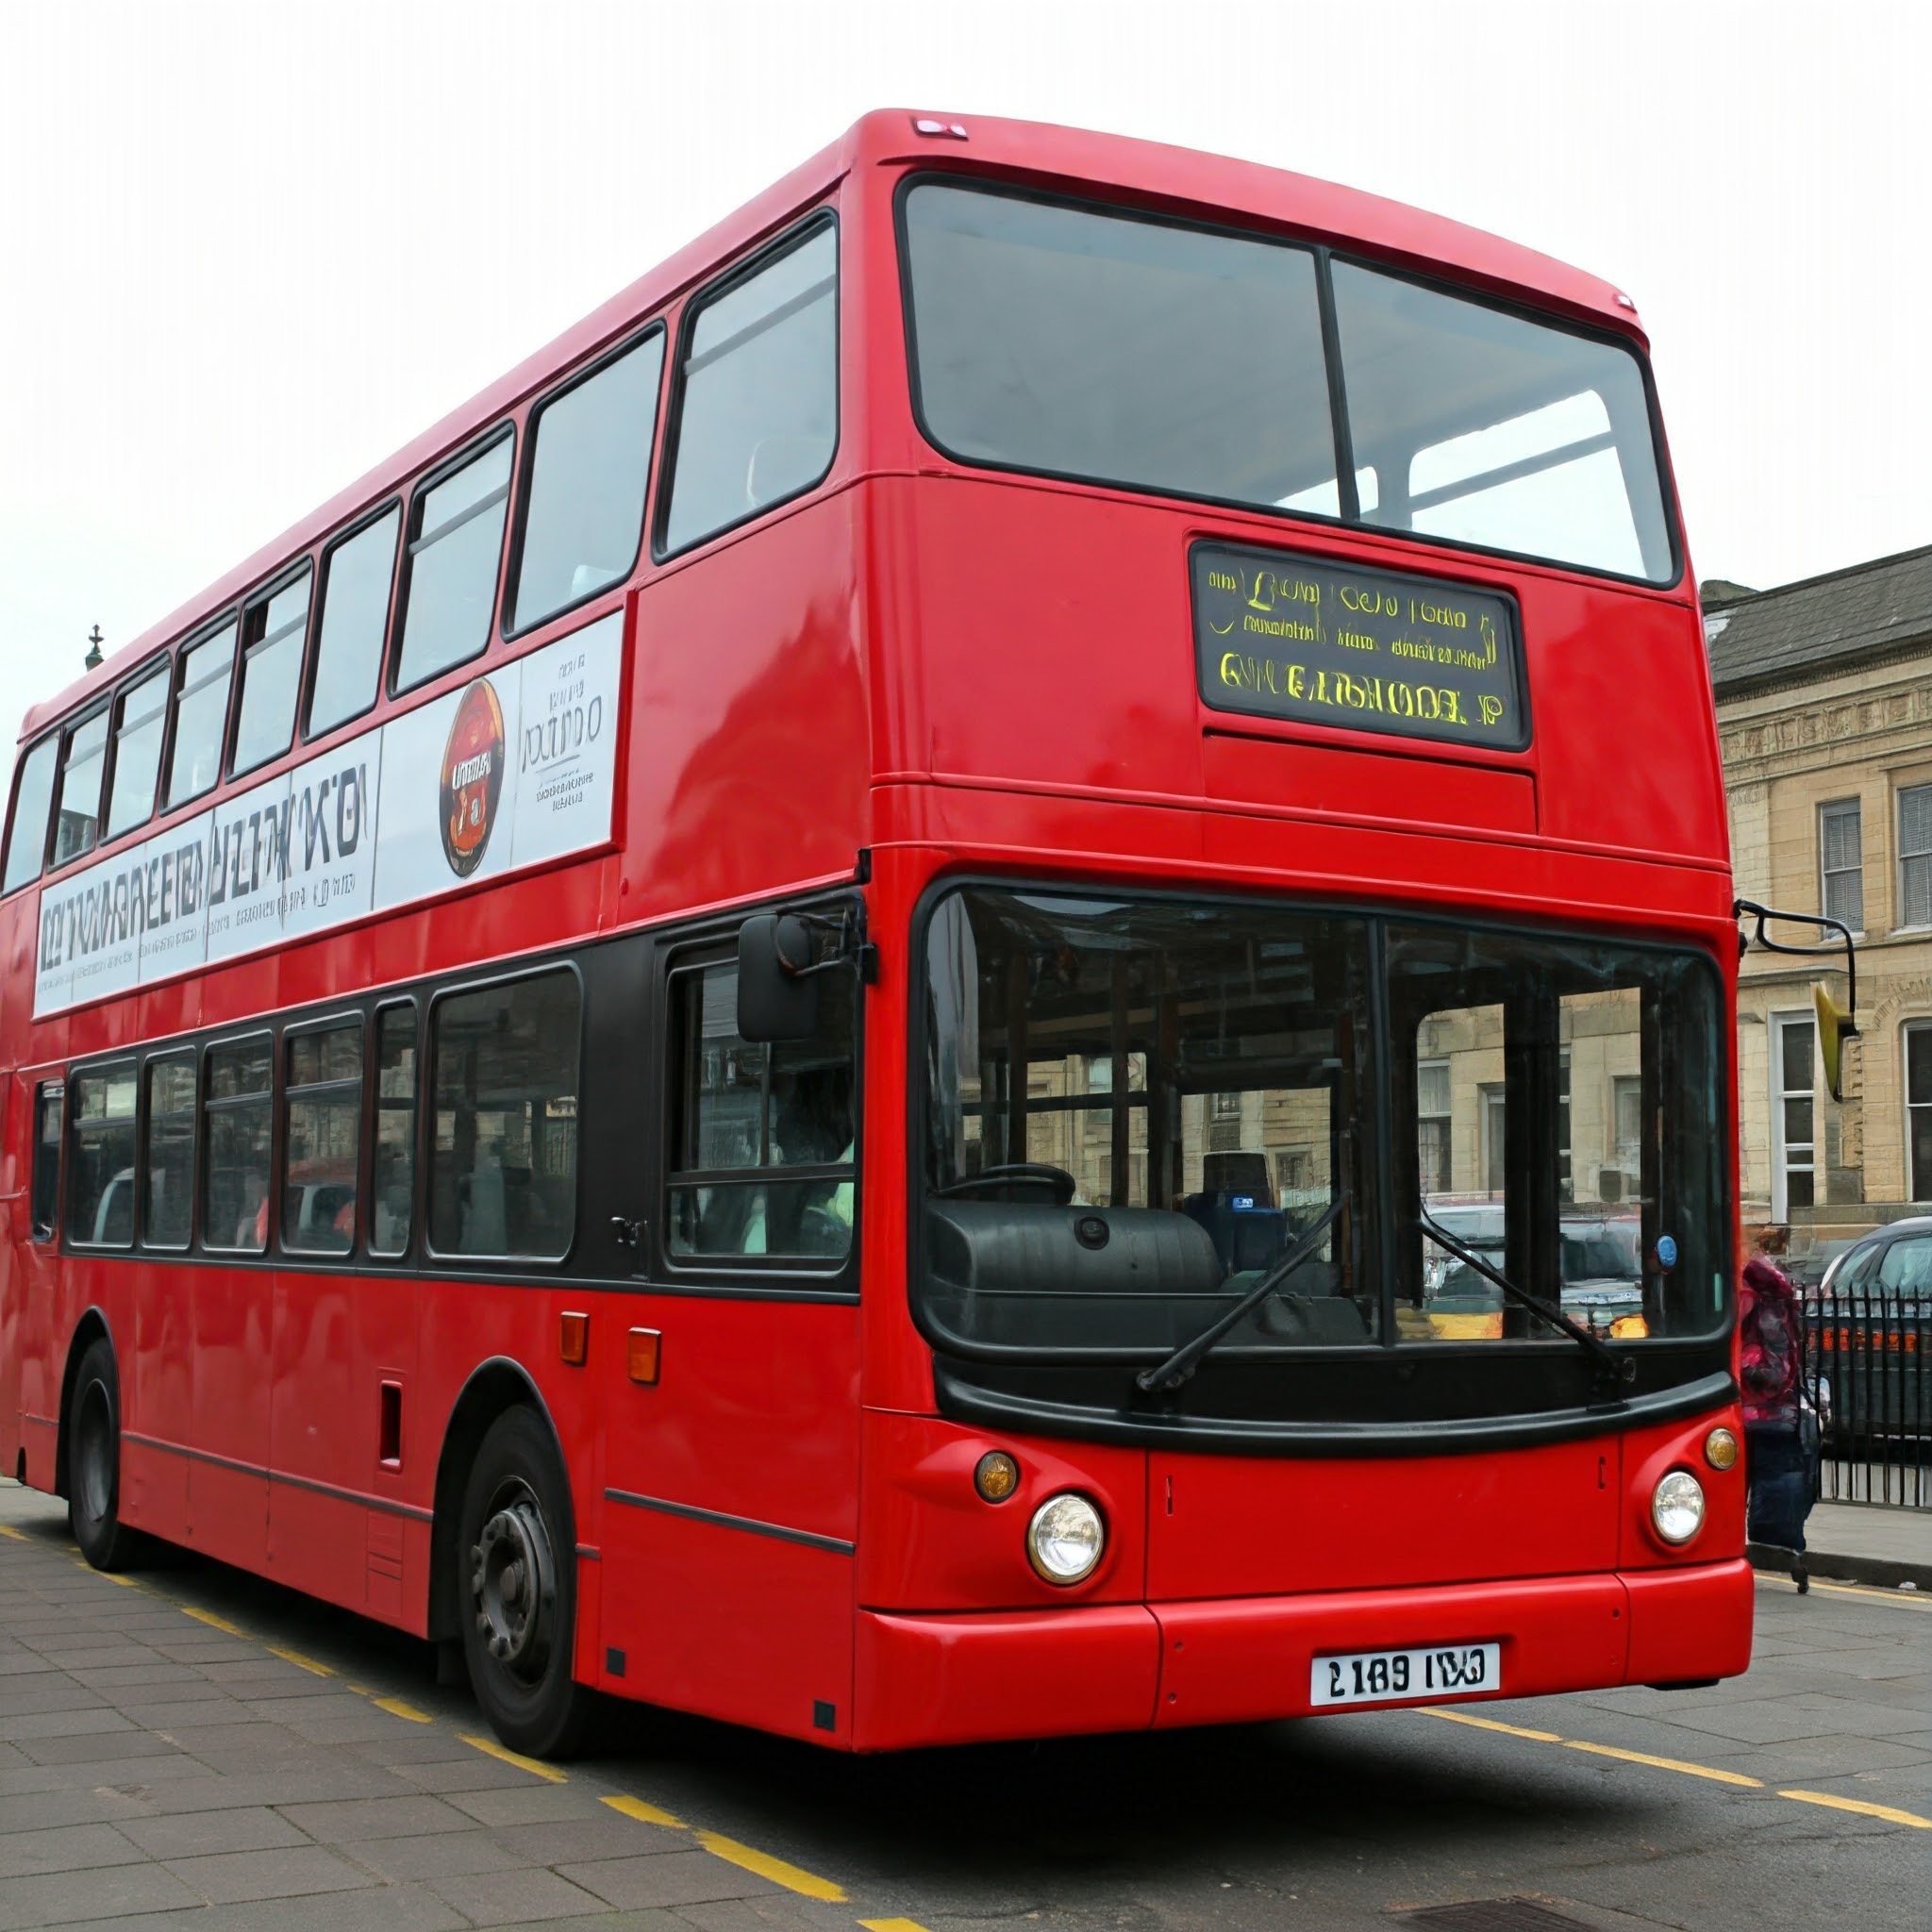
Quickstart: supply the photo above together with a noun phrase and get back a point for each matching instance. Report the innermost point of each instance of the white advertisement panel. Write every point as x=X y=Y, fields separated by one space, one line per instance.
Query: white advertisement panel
x=517 y=768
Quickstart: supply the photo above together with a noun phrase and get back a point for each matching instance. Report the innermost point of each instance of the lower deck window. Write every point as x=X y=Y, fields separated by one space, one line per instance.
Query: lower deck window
x=324 y=1129
x=101 y=1159
x=235 y=1193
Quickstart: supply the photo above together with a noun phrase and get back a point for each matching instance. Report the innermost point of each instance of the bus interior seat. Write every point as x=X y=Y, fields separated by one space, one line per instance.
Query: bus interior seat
x=1246 y=1233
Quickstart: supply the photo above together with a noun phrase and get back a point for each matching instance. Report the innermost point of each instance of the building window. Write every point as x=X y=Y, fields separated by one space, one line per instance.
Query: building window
x=1432 y=1125
x=1495 y=1139
x=1918 y=1108
x=1794 y=1053
x=1842 y=861
x=1915 y=856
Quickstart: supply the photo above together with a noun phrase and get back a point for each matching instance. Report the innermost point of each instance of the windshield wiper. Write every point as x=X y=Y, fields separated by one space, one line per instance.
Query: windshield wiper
x=1612 y=1366
x=1188 y=1357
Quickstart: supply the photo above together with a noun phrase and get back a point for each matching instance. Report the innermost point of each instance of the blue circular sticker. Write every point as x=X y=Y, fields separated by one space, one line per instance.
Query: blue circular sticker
x=1666 y=1251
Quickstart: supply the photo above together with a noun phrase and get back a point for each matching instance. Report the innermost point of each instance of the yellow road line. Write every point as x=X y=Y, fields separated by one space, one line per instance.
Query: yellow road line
x=776 y=1869
x=891 y=1926
x=18 y=1536
x=396 y=1707
x=1884 y=1811
x=636 y=1808
x=1489 y=1724
x=301 y=1662
x=504 y=1755
x=1710 y=1771
x=215 y=1622
x=1899 y=1600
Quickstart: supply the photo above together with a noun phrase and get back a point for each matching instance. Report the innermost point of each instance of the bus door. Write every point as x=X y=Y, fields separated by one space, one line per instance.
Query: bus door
x=732 y=1414
x=31 y=1187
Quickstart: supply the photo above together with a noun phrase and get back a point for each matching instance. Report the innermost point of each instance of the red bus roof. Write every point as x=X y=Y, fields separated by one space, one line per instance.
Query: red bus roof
x=1178 y=180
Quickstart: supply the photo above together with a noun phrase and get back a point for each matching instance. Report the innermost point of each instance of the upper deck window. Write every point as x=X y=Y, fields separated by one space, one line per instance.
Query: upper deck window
x=273 y=633
x=77 y=817
x=201 y=716
x=26 y=841
x=590 y=454
x=450 y=577
x=355 y=616
x=1157 y=356
x=758 y=417
x=142 y=715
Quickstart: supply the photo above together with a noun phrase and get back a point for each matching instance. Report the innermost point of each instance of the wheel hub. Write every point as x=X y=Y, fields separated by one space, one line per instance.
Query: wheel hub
x=513 y=1587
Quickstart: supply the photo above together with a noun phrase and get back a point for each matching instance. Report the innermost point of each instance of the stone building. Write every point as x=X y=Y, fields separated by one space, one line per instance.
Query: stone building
x=1825 y=714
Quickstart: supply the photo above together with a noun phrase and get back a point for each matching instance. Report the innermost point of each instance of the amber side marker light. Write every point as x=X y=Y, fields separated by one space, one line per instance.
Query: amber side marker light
x=1629 y=1328
x=574 y=1339
x=996 y=1476
x=643 y=1349
x=1721 y=1449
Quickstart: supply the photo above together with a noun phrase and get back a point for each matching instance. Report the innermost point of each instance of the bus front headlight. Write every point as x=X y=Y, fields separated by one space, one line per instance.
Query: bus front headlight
x=1677 y=1506
x=1065 y=1538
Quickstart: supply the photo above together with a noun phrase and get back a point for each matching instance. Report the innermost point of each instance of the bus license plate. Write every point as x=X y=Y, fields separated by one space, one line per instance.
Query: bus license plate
x=1383 y=1676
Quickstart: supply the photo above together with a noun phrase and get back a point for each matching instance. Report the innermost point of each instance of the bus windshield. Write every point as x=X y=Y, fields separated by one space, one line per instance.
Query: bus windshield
x=1191 y=361
x=1134 y=1107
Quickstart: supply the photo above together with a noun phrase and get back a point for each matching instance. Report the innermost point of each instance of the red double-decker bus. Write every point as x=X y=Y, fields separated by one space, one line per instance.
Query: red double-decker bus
x=970 y=978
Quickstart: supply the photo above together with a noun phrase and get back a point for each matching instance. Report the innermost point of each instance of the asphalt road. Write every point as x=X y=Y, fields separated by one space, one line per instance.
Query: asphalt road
x=191 y=1747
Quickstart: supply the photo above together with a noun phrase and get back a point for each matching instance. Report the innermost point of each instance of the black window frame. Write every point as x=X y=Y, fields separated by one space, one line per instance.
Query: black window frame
x=411 y=540
x=1325 y=254
x=658 y=511
x=307 y=731
x=245 y=648
x=101 y=1069
x=46 y=1093
x=177 y=1051
x=423 y=1180
x=207 y=1104
x=204 y=634
x=525 y=474
x=39 y=871
x=101 y=708
x=163 y=664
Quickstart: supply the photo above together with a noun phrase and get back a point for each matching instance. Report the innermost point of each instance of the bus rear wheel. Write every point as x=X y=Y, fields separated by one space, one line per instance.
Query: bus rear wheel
x=94 y=1463
x=516 y=1585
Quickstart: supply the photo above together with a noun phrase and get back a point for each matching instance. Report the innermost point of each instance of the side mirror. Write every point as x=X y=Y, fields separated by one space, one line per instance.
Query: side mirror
x=778 y=992
x=1835 y=1026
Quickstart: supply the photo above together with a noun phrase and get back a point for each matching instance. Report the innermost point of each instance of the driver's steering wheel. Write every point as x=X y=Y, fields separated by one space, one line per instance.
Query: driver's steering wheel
x=1023 y=1177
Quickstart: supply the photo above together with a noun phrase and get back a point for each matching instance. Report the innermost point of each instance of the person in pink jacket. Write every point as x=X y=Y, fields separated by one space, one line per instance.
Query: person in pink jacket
x=1778 y=1460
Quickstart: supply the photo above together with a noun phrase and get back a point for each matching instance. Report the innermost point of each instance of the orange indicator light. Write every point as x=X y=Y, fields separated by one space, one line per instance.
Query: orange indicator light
x=996 y=1476
x=574 y=1339
x=642 y=1352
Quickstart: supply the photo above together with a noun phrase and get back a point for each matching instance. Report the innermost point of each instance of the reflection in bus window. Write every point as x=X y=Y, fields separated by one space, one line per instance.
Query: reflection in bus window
x=763 y=1139
x=77 y=816
x=26 y=841
x=395 y=1176
x=355 y=616
x=451 y=572
x=273 y=634
x=235 y=1189
x=759 y=414
x=322 y=1114
x=48 y=1098
x=142 y=715
x=591 y=454
x=502 y=1158
x=201 y=716
x=170 y=1213
x=100 y=1160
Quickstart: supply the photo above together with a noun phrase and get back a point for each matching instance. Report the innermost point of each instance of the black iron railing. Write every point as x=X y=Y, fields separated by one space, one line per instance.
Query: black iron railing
x=1866 y=1367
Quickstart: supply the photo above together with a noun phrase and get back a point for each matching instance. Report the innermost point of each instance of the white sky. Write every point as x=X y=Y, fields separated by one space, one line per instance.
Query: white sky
x=246 y=251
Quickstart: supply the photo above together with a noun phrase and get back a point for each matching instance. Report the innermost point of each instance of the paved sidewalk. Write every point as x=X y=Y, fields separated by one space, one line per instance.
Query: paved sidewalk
x=1862 y=1543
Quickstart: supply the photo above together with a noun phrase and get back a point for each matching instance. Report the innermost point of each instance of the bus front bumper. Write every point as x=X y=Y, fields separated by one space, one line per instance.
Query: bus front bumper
x=973 y=1677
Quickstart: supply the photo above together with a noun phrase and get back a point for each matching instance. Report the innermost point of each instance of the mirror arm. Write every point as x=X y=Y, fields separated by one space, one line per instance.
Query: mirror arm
x=854 y=948
x=1742 y=907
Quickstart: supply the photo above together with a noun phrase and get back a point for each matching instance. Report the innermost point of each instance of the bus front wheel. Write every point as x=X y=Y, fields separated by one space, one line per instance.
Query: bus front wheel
x=93 y=1462
x=517 y=1584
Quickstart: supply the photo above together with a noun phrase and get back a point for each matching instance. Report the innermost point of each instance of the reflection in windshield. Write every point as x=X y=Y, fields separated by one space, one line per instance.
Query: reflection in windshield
x=1135 y=1107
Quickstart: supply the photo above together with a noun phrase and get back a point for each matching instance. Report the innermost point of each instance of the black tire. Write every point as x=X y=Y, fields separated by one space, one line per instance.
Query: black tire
x=516 y=1589
x=93 y=1464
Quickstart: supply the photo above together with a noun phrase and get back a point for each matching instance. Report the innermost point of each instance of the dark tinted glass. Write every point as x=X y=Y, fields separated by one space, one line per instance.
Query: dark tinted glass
x=235 y=1189
x=323 y=1126
x=169 y=1153
x=26 y=840
x=1134 y=352
x=503 y=1161
x=1489 y=428
x=452 y=567
x=591 y=455
x=139 y=721
x=759 y=416
x=77 y=816
x=46 y=1181
x=354 y=615
x=395 y=1130
x=272 y=634
x=101 y=1159
x=201 y=716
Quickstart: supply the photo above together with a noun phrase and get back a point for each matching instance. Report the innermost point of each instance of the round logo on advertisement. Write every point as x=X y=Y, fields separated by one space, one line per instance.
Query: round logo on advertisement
x=472 y=778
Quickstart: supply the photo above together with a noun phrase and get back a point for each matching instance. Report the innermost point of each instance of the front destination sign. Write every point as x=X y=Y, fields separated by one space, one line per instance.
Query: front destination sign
x=1282 y=636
